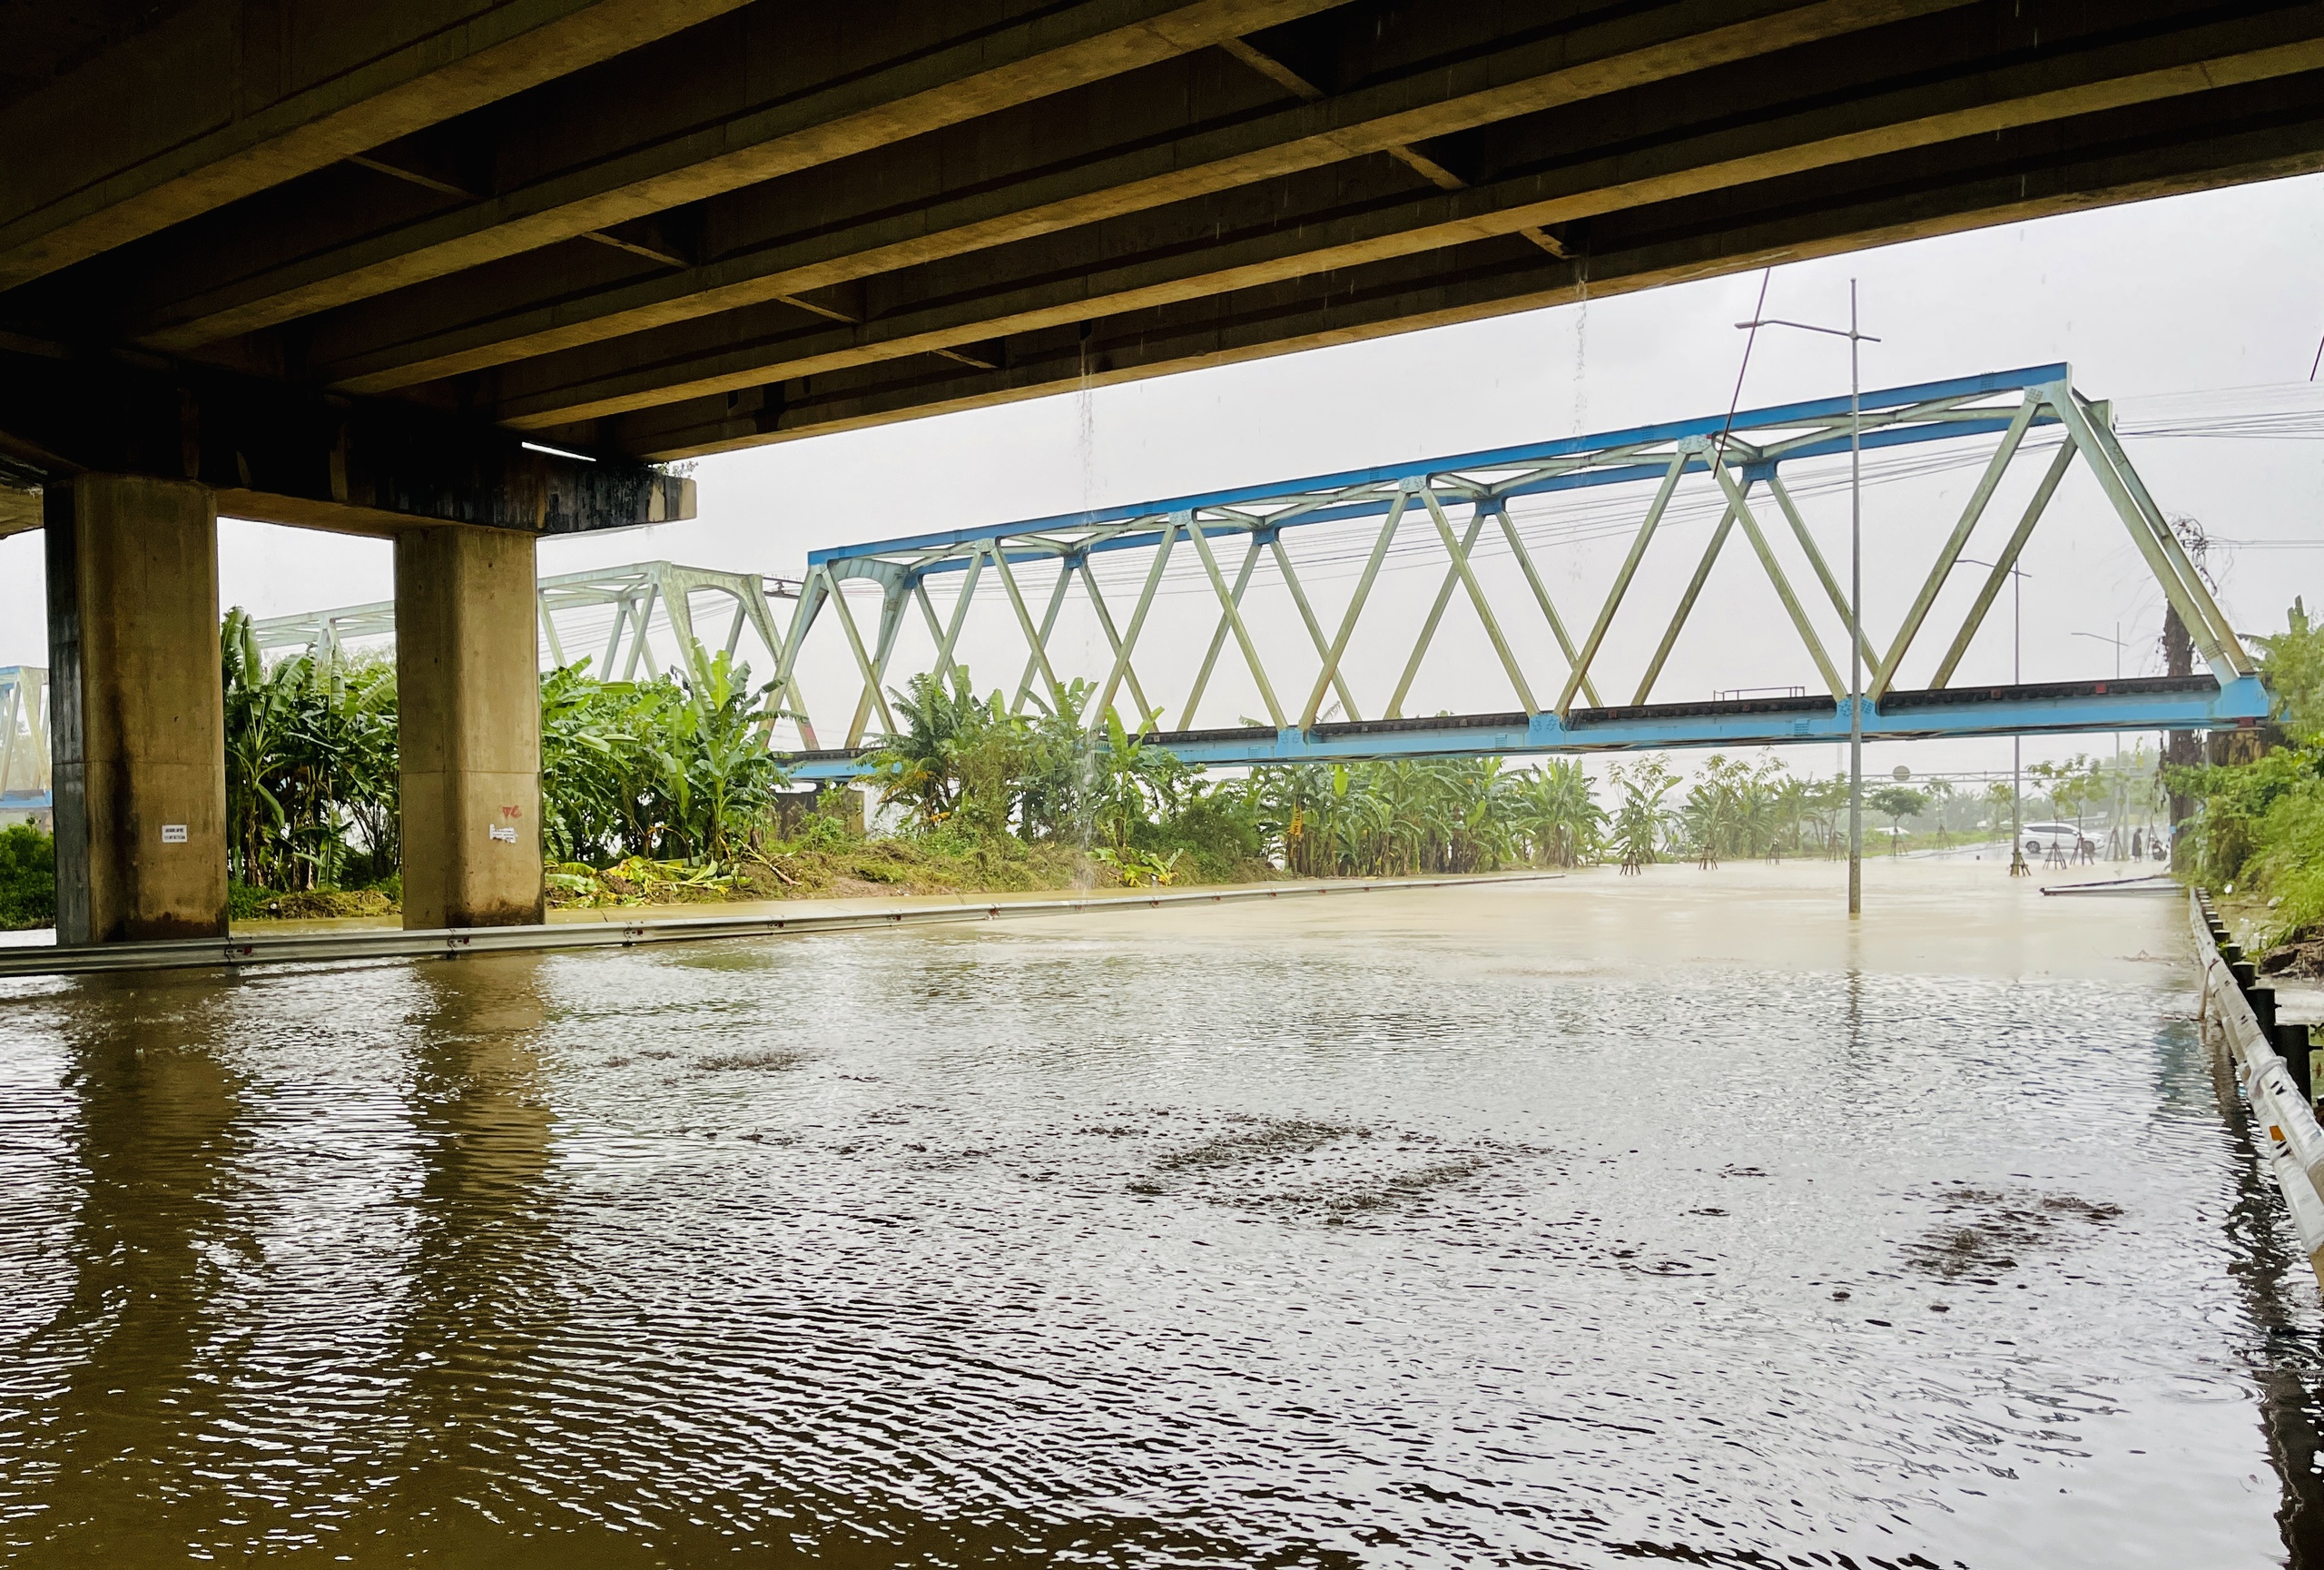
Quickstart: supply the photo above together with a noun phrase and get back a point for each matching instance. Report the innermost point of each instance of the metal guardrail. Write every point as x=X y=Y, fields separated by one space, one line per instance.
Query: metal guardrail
x=2239 y=1018
x=453 y=943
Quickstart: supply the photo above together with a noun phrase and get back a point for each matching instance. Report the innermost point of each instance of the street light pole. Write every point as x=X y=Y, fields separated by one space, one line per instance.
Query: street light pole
x=1856 y=615
x=1855 y=337
x=2114 y=808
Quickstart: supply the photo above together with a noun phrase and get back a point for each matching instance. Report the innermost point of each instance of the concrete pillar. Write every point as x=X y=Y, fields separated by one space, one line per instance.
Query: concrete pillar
x=468 y=692
x=137 y=721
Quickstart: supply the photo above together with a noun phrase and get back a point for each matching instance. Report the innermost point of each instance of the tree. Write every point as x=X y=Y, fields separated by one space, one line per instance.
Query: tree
x=1896 y=803
x=1638 y=823
x=1053 y=784
x=1134 y=781
x=2000 y=796
x=1826 y=803
x=919 y=766
x=2071 y=785
x=1941 y=796
x=1557 y=810
x=2293 y=662
x=593 y=788
x=311 y=763
x=27 y=877
x=2260 y=823
x=714 y=767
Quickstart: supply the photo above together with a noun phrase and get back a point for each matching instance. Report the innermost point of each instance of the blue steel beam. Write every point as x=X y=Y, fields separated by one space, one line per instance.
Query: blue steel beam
x=1628 y=474
x=1776 y=417
x=2059 y=708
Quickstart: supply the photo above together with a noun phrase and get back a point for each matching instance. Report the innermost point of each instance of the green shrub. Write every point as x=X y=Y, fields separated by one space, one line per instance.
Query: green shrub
x=2262 y=829
x=27 y=877
x=819 y=832
x=2288 y=863
x=950 y=838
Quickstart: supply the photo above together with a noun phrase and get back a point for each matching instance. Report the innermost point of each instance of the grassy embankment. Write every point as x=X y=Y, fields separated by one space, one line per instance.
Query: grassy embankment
x=854 y=868
x=2258 y=839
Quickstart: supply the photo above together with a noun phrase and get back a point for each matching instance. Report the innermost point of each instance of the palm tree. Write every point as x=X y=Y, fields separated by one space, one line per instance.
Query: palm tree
x=1793 y=808
x=919 y=765
x=1826 y=801
x=715 y=767
x=1638 y=825
x=257 y=710
x=1940 y=795
x=1558 y=812
x=1133 y=780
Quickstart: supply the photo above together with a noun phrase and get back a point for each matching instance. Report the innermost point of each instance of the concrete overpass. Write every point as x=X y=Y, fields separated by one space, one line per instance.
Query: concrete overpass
x=335 y=265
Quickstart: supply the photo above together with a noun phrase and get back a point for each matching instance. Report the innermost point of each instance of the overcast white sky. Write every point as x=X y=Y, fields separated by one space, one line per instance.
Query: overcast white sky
x=2182 y=309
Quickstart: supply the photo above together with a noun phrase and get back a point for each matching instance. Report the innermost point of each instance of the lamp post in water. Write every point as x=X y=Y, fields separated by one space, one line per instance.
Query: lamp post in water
x=1855 y=585
x=2113 y=831
x=2017 y=576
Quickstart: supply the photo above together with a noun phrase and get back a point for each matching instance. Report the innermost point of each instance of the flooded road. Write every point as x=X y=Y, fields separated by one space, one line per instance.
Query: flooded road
x=1575 y=1223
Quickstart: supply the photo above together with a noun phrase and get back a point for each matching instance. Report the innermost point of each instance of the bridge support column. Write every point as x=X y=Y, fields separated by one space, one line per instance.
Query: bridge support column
x=137 y=727
x=467 y=681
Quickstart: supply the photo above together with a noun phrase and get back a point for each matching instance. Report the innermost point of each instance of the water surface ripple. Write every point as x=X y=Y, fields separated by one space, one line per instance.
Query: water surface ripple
x=1511 y=1226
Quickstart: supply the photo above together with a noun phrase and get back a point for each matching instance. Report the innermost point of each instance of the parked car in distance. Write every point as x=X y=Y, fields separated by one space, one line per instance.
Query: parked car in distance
x=2040 y=837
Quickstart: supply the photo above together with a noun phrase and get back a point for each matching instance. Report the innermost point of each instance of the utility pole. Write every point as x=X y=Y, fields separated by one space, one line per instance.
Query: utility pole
x=1856 y=615
x=1855 y=338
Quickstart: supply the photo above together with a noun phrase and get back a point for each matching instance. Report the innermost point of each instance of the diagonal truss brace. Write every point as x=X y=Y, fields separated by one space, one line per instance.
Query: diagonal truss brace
x=1738 y=453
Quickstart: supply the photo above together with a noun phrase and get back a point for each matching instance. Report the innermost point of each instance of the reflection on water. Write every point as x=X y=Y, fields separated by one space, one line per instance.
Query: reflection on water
x=1573 y=1224
x=132 y=1269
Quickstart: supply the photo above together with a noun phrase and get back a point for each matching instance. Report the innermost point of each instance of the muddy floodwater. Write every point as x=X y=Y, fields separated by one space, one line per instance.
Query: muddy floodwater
x=1576 y=1223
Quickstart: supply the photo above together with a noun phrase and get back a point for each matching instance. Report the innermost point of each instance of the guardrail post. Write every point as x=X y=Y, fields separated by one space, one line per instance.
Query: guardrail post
x=2263 y=1007
x=2292 y=1046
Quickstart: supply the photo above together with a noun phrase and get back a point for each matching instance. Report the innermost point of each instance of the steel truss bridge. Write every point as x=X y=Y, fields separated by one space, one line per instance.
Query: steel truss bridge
x=1025 y=573
x=25 y=767
x=618 y=603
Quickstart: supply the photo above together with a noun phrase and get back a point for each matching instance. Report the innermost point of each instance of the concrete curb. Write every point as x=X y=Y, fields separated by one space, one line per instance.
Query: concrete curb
x=451 y=943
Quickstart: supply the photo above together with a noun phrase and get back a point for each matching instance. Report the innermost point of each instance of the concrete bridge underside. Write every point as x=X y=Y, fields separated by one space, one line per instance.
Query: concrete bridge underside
x=335 y=265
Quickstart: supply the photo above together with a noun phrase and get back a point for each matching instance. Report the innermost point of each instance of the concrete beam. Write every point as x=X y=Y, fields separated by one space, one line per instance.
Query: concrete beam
x=819 y=218
x=227 y=97
x=2262 y=130
x=796 y=106
x=20 y=512
x=469 y=729
x=283 y=455
x=1131 y=148
x=137 y=713
x=1335 y=222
